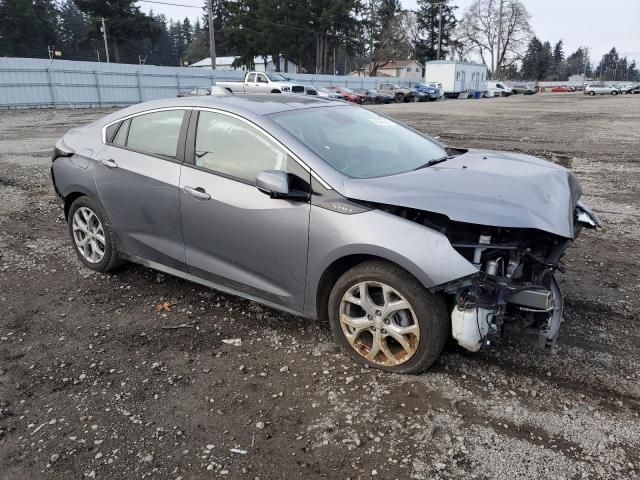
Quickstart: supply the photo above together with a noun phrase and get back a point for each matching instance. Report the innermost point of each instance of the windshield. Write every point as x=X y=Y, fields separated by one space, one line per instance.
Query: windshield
x=276 y=77
x=358 y=142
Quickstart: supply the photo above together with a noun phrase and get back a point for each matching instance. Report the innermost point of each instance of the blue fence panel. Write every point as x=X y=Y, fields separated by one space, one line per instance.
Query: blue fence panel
x=31 y=82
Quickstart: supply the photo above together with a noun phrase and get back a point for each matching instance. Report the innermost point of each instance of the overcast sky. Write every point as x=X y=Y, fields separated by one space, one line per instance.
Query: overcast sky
x=599 y=25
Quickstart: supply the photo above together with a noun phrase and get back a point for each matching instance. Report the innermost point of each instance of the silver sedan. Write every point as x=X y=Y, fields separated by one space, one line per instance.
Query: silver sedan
x=328 y=211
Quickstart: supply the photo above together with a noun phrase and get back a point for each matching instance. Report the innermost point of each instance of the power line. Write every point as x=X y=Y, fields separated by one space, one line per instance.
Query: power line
x=171 y=4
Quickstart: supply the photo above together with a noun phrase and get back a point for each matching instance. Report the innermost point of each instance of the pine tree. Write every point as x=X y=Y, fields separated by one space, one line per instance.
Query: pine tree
x=28 y=27
x=428 y=15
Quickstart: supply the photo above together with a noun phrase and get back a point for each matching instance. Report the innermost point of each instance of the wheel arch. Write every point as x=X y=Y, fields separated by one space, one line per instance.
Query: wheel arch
x=338 y=267
x=74 y=193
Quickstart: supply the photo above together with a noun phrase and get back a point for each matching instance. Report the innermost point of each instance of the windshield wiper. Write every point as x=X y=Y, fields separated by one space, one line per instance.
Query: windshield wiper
x=430 y=163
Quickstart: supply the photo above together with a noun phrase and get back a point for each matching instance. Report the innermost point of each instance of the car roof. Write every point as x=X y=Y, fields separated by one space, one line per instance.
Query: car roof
x=250 y=104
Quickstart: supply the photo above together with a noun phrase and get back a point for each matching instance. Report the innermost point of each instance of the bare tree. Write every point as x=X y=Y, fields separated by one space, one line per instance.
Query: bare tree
x=498 y=30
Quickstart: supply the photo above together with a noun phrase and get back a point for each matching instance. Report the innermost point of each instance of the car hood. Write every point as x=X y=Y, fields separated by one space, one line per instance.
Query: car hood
x=483 y=187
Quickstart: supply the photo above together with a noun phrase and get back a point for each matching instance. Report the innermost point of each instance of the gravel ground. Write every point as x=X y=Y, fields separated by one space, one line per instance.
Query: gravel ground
x=93 y=384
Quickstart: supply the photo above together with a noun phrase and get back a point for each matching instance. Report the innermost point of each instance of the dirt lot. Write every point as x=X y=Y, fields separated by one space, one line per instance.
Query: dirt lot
x=92 y=385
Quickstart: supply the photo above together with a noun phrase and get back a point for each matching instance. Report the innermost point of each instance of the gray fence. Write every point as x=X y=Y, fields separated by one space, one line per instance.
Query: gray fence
x=29 y=82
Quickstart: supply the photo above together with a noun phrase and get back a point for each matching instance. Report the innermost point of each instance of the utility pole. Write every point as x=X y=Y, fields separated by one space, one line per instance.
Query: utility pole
x=104 y=35
x=499 y=39
x=212 y=39
x=440 y=31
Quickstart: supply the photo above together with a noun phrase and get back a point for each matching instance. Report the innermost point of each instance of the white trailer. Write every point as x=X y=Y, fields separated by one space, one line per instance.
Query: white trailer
x=457 y=77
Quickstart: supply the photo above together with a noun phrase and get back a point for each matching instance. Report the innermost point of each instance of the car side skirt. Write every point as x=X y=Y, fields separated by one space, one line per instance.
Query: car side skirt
x=216 y=286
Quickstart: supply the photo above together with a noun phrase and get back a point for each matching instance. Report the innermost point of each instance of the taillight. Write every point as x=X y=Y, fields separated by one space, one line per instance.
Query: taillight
x=61 y=151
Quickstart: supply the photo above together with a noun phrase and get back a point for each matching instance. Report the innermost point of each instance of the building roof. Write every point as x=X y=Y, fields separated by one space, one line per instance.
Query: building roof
x=454 y=62
x=227 y=61
x=400 y=64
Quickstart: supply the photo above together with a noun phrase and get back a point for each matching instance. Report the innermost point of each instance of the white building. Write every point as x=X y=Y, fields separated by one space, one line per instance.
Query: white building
x=410 y=69
x=577 y=79
x=456 y=77
x=262 y=64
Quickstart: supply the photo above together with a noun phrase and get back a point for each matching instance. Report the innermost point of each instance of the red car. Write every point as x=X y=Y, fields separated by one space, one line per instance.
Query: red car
x=560 y=89
x=348 y=94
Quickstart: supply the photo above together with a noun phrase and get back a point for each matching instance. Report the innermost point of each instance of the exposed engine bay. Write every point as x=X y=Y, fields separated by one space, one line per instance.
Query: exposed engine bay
x=515 y=287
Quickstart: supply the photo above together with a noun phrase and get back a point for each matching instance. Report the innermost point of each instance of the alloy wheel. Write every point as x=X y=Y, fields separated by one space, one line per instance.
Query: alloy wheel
x=379 y=323
x=88 y=235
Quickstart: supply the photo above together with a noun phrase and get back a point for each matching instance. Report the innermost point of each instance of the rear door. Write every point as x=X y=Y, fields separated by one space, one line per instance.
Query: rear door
x=137 y=176
x=235 y=235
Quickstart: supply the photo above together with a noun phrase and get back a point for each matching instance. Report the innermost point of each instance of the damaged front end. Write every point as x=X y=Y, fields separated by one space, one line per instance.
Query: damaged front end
x=515 y=288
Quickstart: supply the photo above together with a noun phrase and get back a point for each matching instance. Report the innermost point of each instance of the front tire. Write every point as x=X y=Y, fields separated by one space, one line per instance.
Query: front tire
x=91 y=236
x=399 y=98
x=383 y=317
x=593 y=94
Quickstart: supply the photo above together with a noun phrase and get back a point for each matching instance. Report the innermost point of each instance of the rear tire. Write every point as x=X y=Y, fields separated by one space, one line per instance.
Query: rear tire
x=615 y=92
x=396 y=306
x=399 y=98
x=91 y=235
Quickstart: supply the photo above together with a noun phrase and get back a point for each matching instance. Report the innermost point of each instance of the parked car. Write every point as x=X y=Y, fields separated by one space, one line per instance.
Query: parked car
x=259 y=82
x=437 y=86
x=600 y=89
x=196 y=92
x=329 y=212
x=329 y=94
x=374 y=96
x=560 y=89
x=348 y=94
x=419 y=96
x=522 y=89
x=310 y=90
x=203 y=91
x=625 y=88
x=431 y=91
x=635 y=89
x=399 y=94
x=499 y=89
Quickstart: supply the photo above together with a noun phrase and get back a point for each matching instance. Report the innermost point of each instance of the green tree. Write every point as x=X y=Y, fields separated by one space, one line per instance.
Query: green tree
x=428 y=16
x=73 y=33
x=28 y=26
x=126 y=24
x=559 y=67
x=578 y=63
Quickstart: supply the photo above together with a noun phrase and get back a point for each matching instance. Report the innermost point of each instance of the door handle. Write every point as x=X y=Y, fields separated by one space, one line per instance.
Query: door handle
x=198 y=192
x=109 y=163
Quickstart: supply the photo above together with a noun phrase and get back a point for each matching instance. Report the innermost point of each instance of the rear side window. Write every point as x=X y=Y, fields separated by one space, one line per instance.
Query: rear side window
x=156 y=133
x=111 y=131
x=121 y=136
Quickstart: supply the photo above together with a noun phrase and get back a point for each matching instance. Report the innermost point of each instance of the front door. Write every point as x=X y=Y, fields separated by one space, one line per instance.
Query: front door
x=137 y=175
x=234 y=234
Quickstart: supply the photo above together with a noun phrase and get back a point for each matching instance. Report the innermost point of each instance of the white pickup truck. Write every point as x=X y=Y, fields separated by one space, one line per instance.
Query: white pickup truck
x=259 y=82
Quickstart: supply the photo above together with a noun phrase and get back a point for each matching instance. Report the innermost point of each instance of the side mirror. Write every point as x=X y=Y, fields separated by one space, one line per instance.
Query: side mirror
x=274 y=183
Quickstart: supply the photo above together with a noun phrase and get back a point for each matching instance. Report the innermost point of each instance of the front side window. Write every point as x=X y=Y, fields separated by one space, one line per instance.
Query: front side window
x=261 y=78
x=156 y=133
x=233 y=147
x=359 y=143
x=276 y=77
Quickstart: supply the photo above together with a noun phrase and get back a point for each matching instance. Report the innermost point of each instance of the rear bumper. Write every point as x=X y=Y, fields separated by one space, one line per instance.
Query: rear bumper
x=55 y=187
